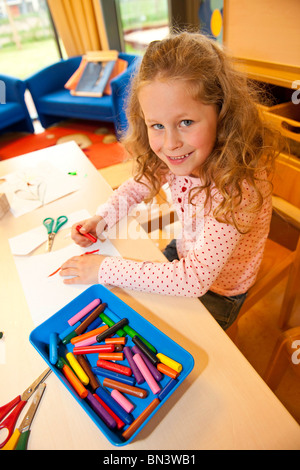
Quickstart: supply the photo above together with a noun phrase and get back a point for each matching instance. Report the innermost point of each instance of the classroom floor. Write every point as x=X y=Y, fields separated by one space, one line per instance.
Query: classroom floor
x=258 y=330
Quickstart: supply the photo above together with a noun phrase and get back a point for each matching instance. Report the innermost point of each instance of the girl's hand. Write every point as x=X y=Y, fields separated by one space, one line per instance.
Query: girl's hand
x=84 y=269
x=95 y=225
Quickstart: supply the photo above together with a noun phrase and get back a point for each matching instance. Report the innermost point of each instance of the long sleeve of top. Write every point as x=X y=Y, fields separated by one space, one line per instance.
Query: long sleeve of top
x=212 y=255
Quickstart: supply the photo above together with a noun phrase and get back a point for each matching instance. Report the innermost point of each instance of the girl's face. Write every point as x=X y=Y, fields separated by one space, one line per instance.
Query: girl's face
x=181 y=130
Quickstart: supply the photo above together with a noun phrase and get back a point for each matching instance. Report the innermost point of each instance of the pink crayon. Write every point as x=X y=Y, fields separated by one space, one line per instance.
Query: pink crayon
x=84 y=311
x=154 y=387
x=126 y=405
x=87 y=341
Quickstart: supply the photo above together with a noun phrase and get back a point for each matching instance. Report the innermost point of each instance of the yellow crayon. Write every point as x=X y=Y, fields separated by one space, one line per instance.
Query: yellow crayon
x=169 y=362
x=77 y=368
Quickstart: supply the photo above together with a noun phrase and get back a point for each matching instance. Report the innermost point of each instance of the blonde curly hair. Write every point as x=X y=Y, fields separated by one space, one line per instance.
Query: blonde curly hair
x=245 y=147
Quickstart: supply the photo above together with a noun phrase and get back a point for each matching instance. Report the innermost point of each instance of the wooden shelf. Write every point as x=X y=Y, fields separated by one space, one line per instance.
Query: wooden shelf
x=269 y=72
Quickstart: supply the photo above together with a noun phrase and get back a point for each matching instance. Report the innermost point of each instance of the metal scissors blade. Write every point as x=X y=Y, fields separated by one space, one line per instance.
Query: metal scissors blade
x=31 y=389
x=27 y=420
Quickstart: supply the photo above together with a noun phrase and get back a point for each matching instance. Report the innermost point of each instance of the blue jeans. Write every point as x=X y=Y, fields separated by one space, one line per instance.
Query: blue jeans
x=223 y=309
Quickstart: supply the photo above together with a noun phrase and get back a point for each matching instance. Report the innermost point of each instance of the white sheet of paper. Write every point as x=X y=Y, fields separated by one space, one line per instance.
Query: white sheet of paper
x=46 y=295
x=26 y=242
x=32 y=187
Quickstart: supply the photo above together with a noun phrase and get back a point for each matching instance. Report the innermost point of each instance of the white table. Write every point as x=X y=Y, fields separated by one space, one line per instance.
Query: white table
x=223 y=404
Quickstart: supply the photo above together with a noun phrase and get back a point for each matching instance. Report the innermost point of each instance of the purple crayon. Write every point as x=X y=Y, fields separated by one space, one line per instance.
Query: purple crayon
x=135 y=370
x=101 y=412
x=156 y=374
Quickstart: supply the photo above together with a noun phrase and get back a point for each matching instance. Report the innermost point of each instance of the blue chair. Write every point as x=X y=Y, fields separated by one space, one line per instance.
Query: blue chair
x=55 y=103
x=14 y=115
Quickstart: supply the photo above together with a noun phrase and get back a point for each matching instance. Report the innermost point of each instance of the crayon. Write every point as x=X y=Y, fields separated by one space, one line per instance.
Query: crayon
x=112 y=330
x=167 y=388
x=120 y=423
x=84 y=311
x=77 y=368
x=140 y=419
x=53 y=345
x=95 y=324
x=147 y=352
x=156 y=373
x=83 y=326
x=68 y=330
x=121 y=340
x=74 y=381
x=113 y=405
x=167 y=370
x=112 y=315
x=128 y=330
x=135 y=370
x=93 y=382
x=131 y=332
x=88 y=341
x=169 y=362
x=119 y=368
x=126 y=404
x=154 y=387
x=86 y=235
x=101 y=411
x=114 y=375
x=130 y=390
x=105 y=348
x=89 y=334
x=110 y=323
x=111 y=356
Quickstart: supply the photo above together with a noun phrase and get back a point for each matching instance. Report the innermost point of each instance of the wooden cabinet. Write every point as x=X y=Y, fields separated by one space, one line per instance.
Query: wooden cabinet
x=263 y=35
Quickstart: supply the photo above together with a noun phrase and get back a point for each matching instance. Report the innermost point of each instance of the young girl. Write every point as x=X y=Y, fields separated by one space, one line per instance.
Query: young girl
x=194 y=124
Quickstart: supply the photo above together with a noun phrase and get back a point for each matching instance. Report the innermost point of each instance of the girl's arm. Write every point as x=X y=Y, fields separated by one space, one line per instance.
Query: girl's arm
x=192 y=276
x=128 y=195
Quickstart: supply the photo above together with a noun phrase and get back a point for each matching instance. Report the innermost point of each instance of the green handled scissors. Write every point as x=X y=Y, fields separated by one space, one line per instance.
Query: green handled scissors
x=49 y=223
x=19 y=439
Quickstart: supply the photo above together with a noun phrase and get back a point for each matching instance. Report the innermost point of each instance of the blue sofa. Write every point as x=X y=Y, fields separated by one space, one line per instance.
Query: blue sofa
x=55 y=103
x=14 y=115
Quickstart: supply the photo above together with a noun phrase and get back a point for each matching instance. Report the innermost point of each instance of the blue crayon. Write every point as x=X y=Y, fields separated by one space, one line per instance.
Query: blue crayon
x=53 y=348
x=112 y=315
x=95 y=324
x=114 y=406
x=168 y=387
x=68 y=330
x=113 y=375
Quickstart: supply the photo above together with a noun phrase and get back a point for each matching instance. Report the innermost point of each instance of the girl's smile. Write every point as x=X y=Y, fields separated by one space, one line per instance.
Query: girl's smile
x=181 y=130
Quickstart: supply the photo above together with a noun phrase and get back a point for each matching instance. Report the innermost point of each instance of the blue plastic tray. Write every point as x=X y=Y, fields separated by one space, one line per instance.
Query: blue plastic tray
x=39 y=338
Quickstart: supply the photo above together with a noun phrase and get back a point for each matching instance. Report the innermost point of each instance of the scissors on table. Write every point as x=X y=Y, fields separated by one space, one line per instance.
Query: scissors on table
x=19 y=439
x=52 y=231
x=18 y=404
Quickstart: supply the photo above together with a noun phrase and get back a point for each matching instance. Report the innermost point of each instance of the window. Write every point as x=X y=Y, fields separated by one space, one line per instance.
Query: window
x=141 y=22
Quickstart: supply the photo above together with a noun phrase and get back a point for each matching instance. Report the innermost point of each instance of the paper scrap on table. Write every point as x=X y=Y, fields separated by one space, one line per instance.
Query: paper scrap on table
x=46 y=295
x=26 y=242
x=32 y=187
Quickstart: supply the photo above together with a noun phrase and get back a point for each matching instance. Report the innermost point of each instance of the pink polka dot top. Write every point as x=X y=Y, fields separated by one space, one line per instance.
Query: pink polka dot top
x=212 y=255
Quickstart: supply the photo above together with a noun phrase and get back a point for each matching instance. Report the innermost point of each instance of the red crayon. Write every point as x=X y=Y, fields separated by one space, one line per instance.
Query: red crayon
x=114 y=367
x=86 y=235
x=120 y=423
x=103 y=348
